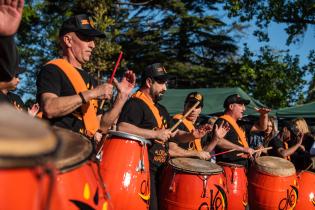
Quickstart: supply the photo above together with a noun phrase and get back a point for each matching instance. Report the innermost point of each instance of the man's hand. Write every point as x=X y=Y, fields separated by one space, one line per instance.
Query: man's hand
x=33 y=110
x=262 y=110
x=104 y=91
x=221 y=131
x=163 y=134
x=203 y=155
x=127 y=83
x=10 y=16
x=201 y=131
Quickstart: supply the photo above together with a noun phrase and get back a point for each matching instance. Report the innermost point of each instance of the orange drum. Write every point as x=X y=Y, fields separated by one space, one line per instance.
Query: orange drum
x=125 y=170
x=272 y=184
x=192 y=184
x=236 y=184
x=26 y=147
x=78 y=185
x=306 y=185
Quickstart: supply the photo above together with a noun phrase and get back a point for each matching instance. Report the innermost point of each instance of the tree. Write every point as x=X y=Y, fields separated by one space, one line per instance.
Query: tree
x=296 y=14
x=272 y=77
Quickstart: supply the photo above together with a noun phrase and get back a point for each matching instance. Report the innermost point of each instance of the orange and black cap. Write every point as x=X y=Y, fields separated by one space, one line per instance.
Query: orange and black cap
x=81 y=24
x=156 y=71
x=235 y=99
x=193 y=97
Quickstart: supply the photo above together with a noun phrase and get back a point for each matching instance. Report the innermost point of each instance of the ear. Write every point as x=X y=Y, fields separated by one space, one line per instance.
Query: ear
x=231 y=106
x=149 y=82
x=67 y=39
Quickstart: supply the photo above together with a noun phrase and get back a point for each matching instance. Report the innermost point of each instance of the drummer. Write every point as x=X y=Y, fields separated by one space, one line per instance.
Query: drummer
x=142 y=115
x=69 y=96
x=291 y=143
x=193 y=148
x=236 y=137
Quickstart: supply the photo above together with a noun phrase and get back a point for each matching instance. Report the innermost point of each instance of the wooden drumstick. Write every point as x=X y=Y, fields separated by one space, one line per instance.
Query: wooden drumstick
x=180 y=120
x=257 y=150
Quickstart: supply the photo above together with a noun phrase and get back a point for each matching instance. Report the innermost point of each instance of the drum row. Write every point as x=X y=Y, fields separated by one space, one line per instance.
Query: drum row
x=39 y=171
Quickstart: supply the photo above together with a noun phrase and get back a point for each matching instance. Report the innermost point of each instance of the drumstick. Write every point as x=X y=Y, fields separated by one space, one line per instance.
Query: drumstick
x=184 y=117
x=112 y=76
x=180 y=120
x=257 y=150
x=221 y=153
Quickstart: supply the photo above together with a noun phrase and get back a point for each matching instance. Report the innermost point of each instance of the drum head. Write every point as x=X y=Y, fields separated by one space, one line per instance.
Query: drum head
x=275 y=166
x=195 y=166
x=129 y=136
x=74 y=150
x=24 y=141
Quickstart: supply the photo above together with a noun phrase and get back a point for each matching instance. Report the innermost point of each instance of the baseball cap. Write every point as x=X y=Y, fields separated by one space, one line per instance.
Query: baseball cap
x=81 y=24
x=235 y=99
x=156 y=71
x=193 y=97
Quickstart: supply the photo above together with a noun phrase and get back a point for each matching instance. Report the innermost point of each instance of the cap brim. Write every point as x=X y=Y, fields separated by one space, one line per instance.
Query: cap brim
x=194 y=101
x=91 y=33
x=245 y=102
x=165 y=77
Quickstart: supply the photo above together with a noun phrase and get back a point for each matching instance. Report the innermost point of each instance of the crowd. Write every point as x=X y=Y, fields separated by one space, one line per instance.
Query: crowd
x=69 y=97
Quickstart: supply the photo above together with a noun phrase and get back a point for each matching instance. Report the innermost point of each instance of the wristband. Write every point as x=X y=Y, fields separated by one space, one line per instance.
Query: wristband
x=82 y=98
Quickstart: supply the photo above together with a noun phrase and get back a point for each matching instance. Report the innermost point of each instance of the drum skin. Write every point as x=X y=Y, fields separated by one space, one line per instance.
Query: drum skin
x=78 y=183
x=23 y=188
x=306 y=185
x=128 y=186
x=182 y=190
x=236 y=184
x=270 y=191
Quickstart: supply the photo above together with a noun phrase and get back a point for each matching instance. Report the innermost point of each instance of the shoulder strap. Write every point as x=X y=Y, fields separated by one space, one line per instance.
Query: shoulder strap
x=140 y=95
x=239 y=131
x=89 y=113
x=188 y=124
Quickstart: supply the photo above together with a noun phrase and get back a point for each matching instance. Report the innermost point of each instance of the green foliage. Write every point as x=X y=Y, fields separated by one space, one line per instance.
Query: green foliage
x=296 y=14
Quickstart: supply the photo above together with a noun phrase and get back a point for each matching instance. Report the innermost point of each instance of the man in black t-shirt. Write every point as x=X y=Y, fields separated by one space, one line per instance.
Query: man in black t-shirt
x=236 y=137
x=142 y=115
x=68 y=95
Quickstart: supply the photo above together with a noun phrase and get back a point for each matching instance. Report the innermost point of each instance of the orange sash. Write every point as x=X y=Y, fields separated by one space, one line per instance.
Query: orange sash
x=188 y=124
x=239 y=131
x=151 y=106
x=286 y=146
x=90 y=120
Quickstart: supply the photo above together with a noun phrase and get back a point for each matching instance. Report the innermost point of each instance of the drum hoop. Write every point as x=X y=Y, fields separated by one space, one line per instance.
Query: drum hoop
x=129 y=136
x=231 y=164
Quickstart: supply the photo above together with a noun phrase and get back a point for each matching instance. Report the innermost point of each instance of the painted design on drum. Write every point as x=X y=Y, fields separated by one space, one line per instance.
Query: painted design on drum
x=144 y=191
x=217 y=202
x=289 y=202
x=86 y=195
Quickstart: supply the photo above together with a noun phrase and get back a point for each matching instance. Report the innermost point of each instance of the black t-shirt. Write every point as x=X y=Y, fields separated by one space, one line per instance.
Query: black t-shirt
x=13 y=99
x=51 y=79
x=137 y=113
x=232 y=137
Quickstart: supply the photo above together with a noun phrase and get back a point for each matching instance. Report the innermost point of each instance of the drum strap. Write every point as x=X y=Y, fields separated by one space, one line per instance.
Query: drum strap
x=189 y=125
x=140 y=95
x=239 y=131
x=90 y=120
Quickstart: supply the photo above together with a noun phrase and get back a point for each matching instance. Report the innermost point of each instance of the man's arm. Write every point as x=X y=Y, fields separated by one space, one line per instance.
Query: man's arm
x=263 y=120
x=176 y=151
x=226 y=144
x=163 y=134
x=56 y=106
x=287 y=152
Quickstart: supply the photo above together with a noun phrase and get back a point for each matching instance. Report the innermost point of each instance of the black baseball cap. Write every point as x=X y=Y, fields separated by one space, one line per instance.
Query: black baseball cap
x=156 y=71
x=235 y=99
x=81 y=24
x=193 y=97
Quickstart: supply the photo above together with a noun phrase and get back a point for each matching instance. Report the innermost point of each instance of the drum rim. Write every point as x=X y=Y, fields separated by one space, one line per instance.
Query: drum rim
x=275 y=171
x=129 y=136
x=68 y=166
x=195 y=172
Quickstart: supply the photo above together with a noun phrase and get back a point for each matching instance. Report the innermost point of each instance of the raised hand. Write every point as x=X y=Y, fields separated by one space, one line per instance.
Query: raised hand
x=127 y=83
x=33 y=110
x=202 y=131
x=262 y=110
x=10 y=16
x=221 y=130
